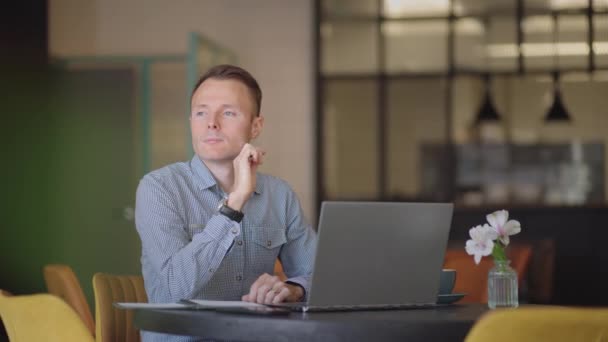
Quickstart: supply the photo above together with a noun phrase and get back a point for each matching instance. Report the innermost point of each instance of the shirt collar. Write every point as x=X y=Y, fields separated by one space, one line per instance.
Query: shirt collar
x=205 y=180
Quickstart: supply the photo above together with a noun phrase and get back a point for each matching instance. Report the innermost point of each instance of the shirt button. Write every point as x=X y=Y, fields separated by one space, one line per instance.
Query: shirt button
x=211 y=270
x=239 y=278
x=234 y=231
x=268 y=243
x=240 y=242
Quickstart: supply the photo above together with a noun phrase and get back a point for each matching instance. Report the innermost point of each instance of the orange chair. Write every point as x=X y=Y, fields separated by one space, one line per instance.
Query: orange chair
x=62 y=282
x=114 y=324
x=278 y=270
x=472 y=279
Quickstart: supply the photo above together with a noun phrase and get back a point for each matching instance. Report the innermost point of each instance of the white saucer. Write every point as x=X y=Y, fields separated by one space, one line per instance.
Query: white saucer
x=449 y=298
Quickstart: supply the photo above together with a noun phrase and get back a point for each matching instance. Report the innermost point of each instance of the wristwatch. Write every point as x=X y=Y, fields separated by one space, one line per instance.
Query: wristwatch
x=230 y=213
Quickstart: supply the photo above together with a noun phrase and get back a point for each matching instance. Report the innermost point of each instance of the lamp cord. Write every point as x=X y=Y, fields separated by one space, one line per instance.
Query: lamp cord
x=555 y=54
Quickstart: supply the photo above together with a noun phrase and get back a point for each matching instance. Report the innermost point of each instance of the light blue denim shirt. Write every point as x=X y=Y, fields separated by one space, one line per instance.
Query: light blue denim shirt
x=189 y=250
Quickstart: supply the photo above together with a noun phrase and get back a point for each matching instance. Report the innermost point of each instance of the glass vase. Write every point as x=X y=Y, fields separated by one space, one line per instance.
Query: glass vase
x=502 y=286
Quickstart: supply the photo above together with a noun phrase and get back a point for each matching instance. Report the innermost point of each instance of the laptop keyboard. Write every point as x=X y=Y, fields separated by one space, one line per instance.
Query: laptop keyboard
x=303 y=307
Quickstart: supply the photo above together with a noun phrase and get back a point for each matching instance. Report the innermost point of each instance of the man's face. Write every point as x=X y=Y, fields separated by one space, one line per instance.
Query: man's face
x=222 y=120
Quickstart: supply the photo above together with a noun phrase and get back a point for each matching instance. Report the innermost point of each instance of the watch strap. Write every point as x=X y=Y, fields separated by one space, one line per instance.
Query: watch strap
x=234 y=215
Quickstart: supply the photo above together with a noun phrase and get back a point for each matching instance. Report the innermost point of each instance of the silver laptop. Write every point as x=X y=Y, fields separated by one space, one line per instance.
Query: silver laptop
x=378 y=255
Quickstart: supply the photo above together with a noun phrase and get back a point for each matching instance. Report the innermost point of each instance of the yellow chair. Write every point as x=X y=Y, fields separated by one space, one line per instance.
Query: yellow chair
x=62 y=282
x=41 y=317
x=544 y=323
x=111 y=323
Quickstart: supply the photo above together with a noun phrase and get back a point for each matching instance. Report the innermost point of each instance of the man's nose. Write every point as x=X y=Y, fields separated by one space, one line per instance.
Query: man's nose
x=213 y=123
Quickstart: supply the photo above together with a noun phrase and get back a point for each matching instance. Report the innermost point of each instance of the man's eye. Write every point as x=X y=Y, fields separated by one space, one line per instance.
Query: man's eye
x=200 y=113
x=229 y=113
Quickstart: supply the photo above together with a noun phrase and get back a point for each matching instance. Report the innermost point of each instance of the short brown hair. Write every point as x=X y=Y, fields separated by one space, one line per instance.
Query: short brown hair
x=232 y=72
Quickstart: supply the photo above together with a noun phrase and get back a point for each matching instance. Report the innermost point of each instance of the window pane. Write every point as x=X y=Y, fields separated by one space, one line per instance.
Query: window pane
x=470 y=7
x=349 y=47
x=416 y=117
x=540 y=51
x=491 y=48
x=502 y=43
x=467 y=94
x=600 y=4
x=601 y=40
x=416 y=46
x=545 y=7
x=346 y=8
x=573 y=50
x=538 y=47
x=400 y=9
x=528 y=103
x=483 y=8
x=469 y=44
x=350 y=139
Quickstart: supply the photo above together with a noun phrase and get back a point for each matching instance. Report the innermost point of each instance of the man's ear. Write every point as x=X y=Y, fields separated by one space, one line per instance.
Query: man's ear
x=256 y=126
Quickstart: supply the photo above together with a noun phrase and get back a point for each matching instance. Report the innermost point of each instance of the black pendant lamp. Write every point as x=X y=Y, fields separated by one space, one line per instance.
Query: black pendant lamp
x=487 y=112
x=557 y=111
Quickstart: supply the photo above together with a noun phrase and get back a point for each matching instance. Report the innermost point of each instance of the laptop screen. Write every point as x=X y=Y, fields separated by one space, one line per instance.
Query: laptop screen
x=379 y=253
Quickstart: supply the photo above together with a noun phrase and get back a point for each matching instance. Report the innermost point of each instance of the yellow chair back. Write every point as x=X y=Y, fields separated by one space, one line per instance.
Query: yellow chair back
x=41 y=317
x=544 y=323
x=62 y=282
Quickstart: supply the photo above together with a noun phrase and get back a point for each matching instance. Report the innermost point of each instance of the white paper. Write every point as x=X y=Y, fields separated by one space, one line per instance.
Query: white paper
x=125 y=305
x=224 y=303
x=189 y=303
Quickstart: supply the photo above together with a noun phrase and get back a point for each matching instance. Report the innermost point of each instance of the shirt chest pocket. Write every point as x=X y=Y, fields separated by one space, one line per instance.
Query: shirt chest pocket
x=268 y=241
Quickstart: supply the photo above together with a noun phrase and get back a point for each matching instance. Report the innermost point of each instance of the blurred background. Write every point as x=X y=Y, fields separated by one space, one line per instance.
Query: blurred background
x=488 y=104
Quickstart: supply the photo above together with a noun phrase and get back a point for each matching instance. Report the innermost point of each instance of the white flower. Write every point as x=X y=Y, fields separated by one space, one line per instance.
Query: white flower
x=502 y=227
x=481 y=243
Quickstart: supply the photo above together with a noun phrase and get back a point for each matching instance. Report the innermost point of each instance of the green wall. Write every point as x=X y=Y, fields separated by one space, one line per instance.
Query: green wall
x=69 y=143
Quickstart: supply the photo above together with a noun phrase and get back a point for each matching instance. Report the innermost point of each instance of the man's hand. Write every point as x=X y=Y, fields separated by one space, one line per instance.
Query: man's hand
x=245 y=167
x=269 y=289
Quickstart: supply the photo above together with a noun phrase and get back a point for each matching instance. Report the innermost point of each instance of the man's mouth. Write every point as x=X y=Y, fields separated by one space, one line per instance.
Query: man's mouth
x=212 y=140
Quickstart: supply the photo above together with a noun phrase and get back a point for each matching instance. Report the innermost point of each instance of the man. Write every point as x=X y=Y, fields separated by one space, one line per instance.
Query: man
x=212 y=228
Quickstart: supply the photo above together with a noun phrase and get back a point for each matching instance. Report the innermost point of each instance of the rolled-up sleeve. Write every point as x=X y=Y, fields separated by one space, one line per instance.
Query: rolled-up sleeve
x=297 y=255
x=173 y=266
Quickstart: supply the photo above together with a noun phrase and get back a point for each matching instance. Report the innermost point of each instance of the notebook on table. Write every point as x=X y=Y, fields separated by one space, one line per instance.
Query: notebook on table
x=377 y=255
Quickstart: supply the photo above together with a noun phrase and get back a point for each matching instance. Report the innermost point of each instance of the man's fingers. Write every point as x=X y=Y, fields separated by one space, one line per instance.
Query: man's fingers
x=253 y=290
x=265 y=289
x=262 y=292
x=269 y=296
x=256 y=156
x=278 y=285
x=252 y=153
x=275 y=292
x=281 y=296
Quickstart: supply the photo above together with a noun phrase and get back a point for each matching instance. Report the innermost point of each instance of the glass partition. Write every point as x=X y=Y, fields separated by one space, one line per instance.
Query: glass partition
x=417 y=46
x=350 y=139
x=403 y=83
x=349 y=47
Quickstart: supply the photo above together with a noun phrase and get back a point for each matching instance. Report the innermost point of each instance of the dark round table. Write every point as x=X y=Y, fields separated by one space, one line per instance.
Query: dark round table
x=445 y=323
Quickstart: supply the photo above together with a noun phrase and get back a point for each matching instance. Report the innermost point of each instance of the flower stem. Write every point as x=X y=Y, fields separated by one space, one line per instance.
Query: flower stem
x=499 y=252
